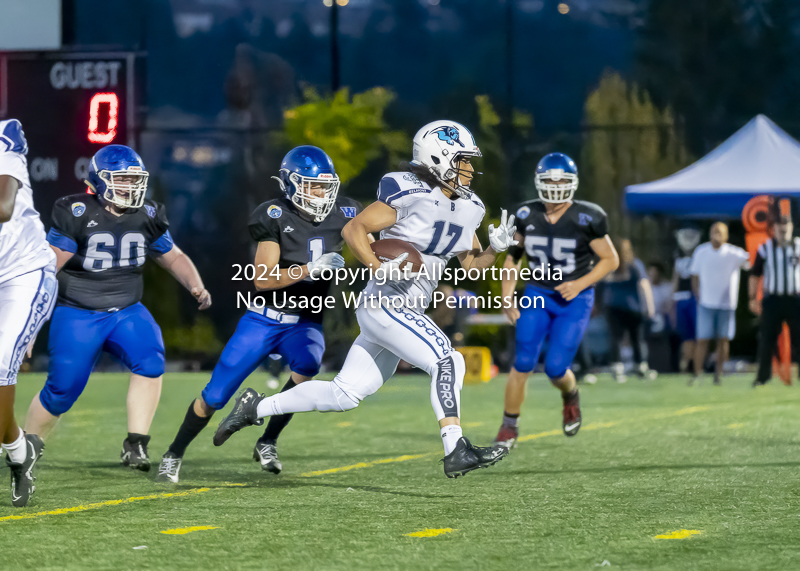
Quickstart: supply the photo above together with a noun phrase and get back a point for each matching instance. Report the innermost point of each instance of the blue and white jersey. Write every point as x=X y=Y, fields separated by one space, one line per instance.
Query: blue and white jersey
x=23 y=247
x=436 y=225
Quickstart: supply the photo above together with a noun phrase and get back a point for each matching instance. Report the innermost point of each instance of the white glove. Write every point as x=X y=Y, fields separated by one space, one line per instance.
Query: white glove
x=328 y=261
x=502 y=237
x=390 y=271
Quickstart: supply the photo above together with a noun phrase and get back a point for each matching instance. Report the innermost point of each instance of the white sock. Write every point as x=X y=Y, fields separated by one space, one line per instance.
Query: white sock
x=18 y=450
x=450 y=435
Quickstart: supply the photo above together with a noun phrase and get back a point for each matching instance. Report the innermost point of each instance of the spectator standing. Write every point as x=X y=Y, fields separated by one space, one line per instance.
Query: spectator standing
x=628 y=299
x=715 y=282
x=685 y=308
x=777 y=261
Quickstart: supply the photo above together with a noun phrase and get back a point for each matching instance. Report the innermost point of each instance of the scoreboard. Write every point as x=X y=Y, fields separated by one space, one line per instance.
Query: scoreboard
x=70 y=106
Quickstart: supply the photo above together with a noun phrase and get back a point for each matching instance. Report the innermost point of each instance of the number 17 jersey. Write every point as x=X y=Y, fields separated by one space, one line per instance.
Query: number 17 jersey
x=105 y=272
x=563 y=245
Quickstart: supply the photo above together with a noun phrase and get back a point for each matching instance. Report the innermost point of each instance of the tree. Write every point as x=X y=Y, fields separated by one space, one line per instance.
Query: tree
x=352 y=132
x=717 y=63
x=629 y=140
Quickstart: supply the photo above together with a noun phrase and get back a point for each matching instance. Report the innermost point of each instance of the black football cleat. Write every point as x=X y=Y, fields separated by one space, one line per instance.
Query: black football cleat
x=169 y=470
x=507 y=437
x=23 y=477
x=489 y=456
x=571 y=422
x=134 y=455
x=244 y=413
x=267 y=455
x=466 y=458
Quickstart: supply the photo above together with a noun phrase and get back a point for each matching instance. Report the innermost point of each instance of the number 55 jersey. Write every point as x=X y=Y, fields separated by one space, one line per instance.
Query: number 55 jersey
x=563 y=245
x=106 y=271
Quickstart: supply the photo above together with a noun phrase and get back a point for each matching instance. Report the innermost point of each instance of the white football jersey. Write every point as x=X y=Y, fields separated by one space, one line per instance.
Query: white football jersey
x=23 y=245
x=437 y=226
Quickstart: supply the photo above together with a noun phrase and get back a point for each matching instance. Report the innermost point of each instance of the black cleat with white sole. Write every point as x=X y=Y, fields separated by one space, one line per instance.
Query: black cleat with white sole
x=23 y=477
x=267 y=455
x=466 y=458
x=169 y=470
x=134 y=454
x=244 y=413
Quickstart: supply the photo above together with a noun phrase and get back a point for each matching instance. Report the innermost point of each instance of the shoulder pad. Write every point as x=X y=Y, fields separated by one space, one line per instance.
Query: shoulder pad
x=396 y=185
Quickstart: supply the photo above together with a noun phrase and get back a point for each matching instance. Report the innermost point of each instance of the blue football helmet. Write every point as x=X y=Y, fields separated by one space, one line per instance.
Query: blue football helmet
x=556 y=178
x=117 y=175
x=306 y=172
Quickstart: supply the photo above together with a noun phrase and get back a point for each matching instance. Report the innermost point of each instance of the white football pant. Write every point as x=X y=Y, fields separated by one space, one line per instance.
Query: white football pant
x=387 y=335
x=26 y=302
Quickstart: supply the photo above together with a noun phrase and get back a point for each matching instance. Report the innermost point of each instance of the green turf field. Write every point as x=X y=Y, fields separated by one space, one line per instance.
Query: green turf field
x=651 y=459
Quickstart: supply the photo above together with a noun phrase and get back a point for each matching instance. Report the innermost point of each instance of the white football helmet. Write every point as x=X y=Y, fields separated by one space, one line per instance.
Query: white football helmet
x=437 y=146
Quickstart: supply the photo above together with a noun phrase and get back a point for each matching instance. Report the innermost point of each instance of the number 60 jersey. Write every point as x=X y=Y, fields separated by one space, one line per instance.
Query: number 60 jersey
x=563 y=245
x=106 y=271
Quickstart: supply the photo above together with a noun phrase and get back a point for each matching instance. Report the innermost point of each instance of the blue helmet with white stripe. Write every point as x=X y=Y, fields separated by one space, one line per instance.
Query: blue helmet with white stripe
x=308 y=179
x=556 y=178
x=117 y=176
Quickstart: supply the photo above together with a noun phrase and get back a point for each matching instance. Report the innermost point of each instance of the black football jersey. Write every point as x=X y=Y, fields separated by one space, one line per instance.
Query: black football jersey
x=563 y=245
x=106 y=271
x=301 y=241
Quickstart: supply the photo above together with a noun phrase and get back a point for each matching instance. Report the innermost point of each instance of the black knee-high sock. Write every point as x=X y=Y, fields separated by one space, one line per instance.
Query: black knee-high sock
x=191 y=427
x=277 y=423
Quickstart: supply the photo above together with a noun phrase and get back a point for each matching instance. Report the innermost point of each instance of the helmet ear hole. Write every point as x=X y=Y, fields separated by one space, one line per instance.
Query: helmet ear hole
x=435 y=160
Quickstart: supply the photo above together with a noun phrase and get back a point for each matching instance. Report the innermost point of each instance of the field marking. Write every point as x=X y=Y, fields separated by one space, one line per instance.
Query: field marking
x=86 y=507
x=526 y=438
x=736 y=425
x=679 y=534
x=361 y=465
x=472 y=424
x=431 y=532
x=681 y=412
x=185 y=530
x=344 y=424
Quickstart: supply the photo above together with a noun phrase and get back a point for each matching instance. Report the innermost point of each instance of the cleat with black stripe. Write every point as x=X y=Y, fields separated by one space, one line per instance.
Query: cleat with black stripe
x=23 y=477
x=244 y=413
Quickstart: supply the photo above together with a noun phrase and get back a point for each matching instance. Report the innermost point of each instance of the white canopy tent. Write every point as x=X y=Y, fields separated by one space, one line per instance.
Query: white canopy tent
x=760 y=158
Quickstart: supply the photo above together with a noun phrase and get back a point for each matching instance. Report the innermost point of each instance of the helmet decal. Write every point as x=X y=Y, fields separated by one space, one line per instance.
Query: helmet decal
x=448 y=134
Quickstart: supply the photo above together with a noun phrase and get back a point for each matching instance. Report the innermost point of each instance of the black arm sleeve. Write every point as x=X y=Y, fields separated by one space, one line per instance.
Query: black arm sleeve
x=262 y=227
x=758 y=266
x=516 y=252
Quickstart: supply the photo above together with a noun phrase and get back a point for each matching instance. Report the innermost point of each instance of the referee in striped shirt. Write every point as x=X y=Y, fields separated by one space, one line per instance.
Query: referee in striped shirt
x=777 y=261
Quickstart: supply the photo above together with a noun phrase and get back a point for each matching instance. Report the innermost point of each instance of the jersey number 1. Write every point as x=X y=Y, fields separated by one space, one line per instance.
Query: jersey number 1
x=102 y=253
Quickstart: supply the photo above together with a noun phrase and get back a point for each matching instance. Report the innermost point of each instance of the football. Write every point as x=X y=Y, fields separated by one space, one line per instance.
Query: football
x=390 y=248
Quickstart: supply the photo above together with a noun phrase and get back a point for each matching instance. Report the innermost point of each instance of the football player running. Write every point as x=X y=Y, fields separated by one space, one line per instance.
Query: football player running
x=27 y=296
x=101 y=241
x=301 y=229
x=565 y=236
x=433 y=208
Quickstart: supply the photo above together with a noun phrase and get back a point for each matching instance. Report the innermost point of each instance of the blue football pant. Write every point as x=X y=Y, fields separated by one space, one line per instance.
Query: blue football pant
x=256 y=338
x=564 y=321
x=78 y=336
